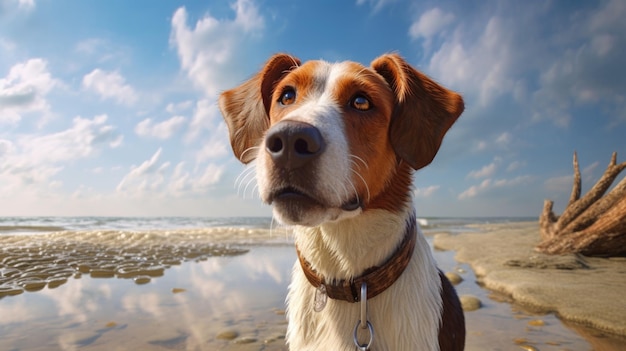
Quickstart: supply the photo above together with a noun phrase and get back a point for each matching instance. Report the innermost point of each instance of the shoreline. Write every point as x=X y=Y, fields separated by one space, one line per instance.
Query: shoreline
x=224 y=288
x=582 y=290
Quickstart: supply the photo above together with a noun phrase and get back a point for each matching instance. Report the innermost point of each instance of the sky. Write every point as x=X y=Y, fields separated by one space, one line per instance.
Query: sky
x=108 y=108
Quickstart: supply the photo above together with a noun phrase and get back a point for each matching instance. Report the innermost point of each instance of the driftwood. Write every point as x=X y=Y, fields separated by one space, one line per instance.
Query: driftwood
x=593 y=225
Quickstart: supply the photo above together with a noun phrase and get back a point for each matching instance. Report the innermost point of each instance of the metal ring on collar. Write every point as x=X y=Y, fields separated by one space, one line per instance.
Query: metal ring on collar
x=366 y=346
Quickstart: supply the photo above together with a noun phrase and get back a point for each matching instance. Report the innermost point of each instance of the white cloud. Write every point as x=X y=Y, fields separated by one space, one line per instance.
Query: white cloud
x=587 y=172
x=110 y=85
x=588 y=71
x=179 y=107
x=213 y=148
x=81 y=140
x=147 y=176
x=30 y=163
x=5 y=147
x=563 y=184
x=161 y=130
x=481 y=145
x=515 y=165
x=475 y=189
x=426 y=192
x=504 y=139
x=26 y=4
x=7 y=45
x=7 y=6
x=430 y=23
x=209 y=177
x=206 y=117
x=485 y=65
x=153 y=178
x=209 y=51
x=182 y=182
x=486 y=171
x=559 y=184
x=101 y=50
x=549 y=69
x=376 y=4
x=179 y=183
x=89 y=46
x=489 y=184
x=207 y=125
x=512 y=182
x=24 y=90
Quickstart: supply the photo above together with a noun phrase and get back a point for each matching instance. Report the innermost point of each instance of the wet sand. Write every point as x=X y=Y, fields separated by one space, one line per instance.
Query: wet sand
x=211 y=289
x=586 y=293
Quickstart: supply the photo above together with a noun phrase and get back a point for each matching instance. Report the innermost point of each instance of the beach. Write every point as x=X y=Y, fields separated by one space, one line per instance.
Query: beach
x=585 y=292
x=221 y=285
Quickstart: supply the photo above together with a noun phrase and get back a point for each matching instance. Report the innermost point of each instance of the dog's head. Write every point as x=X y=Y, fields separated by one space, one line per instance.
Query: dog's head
x=333 y=139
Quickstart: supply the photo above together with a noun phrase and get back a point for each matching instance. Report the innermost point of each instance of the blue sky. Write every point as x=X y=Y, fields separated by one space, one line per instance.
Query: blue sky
x=109 y=107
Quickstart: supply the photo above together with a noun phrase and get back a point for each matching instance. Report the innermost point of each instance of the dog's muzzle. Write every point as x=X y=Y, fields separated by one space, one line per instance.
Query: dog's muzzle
x=293 y=144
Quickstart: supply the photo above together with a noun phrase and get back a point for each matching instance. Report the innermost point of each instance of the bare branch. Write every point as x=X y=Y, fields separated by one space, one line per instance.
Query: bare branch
x=575 y=209
x=575 y=195
x=594 y=211
x=613 y=220
x=592 y=225
x=547 y=219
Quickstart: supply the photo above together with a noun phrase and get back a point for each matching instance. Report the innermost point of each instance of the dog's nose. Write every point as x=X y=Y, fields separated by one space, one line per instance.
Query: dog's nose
x=292 y=144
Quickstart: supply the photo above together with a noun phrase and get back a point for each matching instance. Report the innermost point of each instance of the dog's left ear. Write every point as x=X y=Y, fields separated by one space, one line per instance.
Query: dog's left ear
x=423 y=113
x=246 y=107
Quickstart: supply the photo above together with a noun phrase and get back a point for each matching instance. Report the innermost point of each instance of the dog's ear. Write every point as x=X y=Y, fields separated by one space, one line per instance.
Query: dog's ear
x=423 y=112
x=246 y=107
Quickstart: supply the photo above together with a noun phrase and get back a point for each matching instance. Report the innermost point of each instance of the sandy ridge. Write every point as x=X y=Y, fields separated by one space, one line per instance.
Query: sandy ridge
x=583 y=290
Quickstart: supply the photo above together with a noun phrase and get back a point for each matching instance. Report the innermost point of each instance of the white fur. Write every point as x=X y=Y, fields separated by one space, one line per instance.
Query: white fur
x=406 y=316
x=320 y=110
x=340 y=245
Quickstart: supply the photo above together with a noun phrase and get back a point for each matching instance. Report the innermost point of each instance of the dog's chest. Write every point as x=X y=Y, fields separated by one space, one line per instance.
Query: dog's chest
x=406 y=316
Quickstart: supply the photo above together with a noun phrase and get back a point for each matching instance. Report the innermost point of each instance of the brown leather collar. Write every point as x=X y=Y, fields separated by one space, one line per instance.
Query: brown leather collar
x=378 y=278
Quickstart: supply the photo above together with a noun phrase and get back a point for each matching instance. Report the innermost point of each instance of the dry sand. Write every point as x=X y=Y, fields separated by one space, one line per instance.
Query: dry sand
x=583 y=290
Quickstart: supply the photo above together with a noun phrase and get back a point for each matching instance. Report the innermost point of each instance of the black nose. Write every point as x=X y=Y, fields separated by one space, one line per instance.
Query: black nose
x=292 y=144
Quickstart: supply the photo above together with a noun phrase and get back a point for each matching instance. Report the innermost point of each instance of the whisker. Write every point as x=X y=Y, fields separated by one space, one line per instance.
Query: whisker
x=251 y=148
x=245 y=190
x=244 y=177
x=353 y=160
x=243 y=174
x=255 y=191
x=339 y=199
x=359 y=159
x=354 y=188
x=367 y=188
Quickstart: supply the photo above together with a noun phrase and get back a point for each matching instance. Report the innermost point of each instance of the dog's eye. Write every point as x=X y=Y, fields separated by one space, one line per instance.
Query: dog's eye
x=288 y=97
x=360 y=103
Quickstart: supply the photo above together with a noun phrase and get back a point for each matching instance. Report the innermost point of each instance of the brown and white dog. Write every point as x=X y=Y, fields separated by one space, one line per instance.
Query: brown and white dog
x=335 y=147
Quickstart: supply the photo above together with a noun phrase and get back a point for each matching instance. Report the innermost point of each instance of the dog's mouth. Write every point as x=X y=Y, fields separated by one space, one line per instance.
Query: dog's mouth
x=293 y=196
x=354 y=204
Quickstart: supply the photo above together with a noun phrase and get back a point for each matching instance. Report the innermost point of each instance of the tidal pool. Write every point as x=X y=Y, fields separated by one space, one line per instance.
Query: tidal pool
x=213 y=289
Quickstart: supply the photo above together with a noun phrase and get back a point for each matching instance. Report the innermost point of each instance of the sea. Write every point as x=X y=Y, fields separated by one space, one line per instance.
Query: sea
x=41 y=225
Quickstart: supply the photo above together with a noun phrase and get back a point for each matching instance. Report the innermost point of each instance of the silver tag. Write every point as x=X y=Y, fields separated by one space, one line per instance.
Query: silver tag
x=320 y=298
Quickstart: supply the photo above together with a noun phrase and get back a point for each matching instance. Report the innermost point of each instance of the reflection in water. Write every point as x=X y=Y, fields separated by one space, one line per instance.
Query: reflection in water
x=184 y=309
x=217 y=289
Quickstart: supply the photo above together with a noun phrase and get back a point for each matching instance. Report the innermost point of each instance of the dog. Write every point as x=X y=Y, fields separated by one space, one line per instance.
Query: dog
x=335 y=146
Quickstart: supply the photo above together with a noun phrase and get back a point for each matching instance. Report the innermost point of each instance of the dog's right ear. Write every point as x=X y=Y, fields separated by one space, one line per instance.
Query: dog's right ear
x=246 y=107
